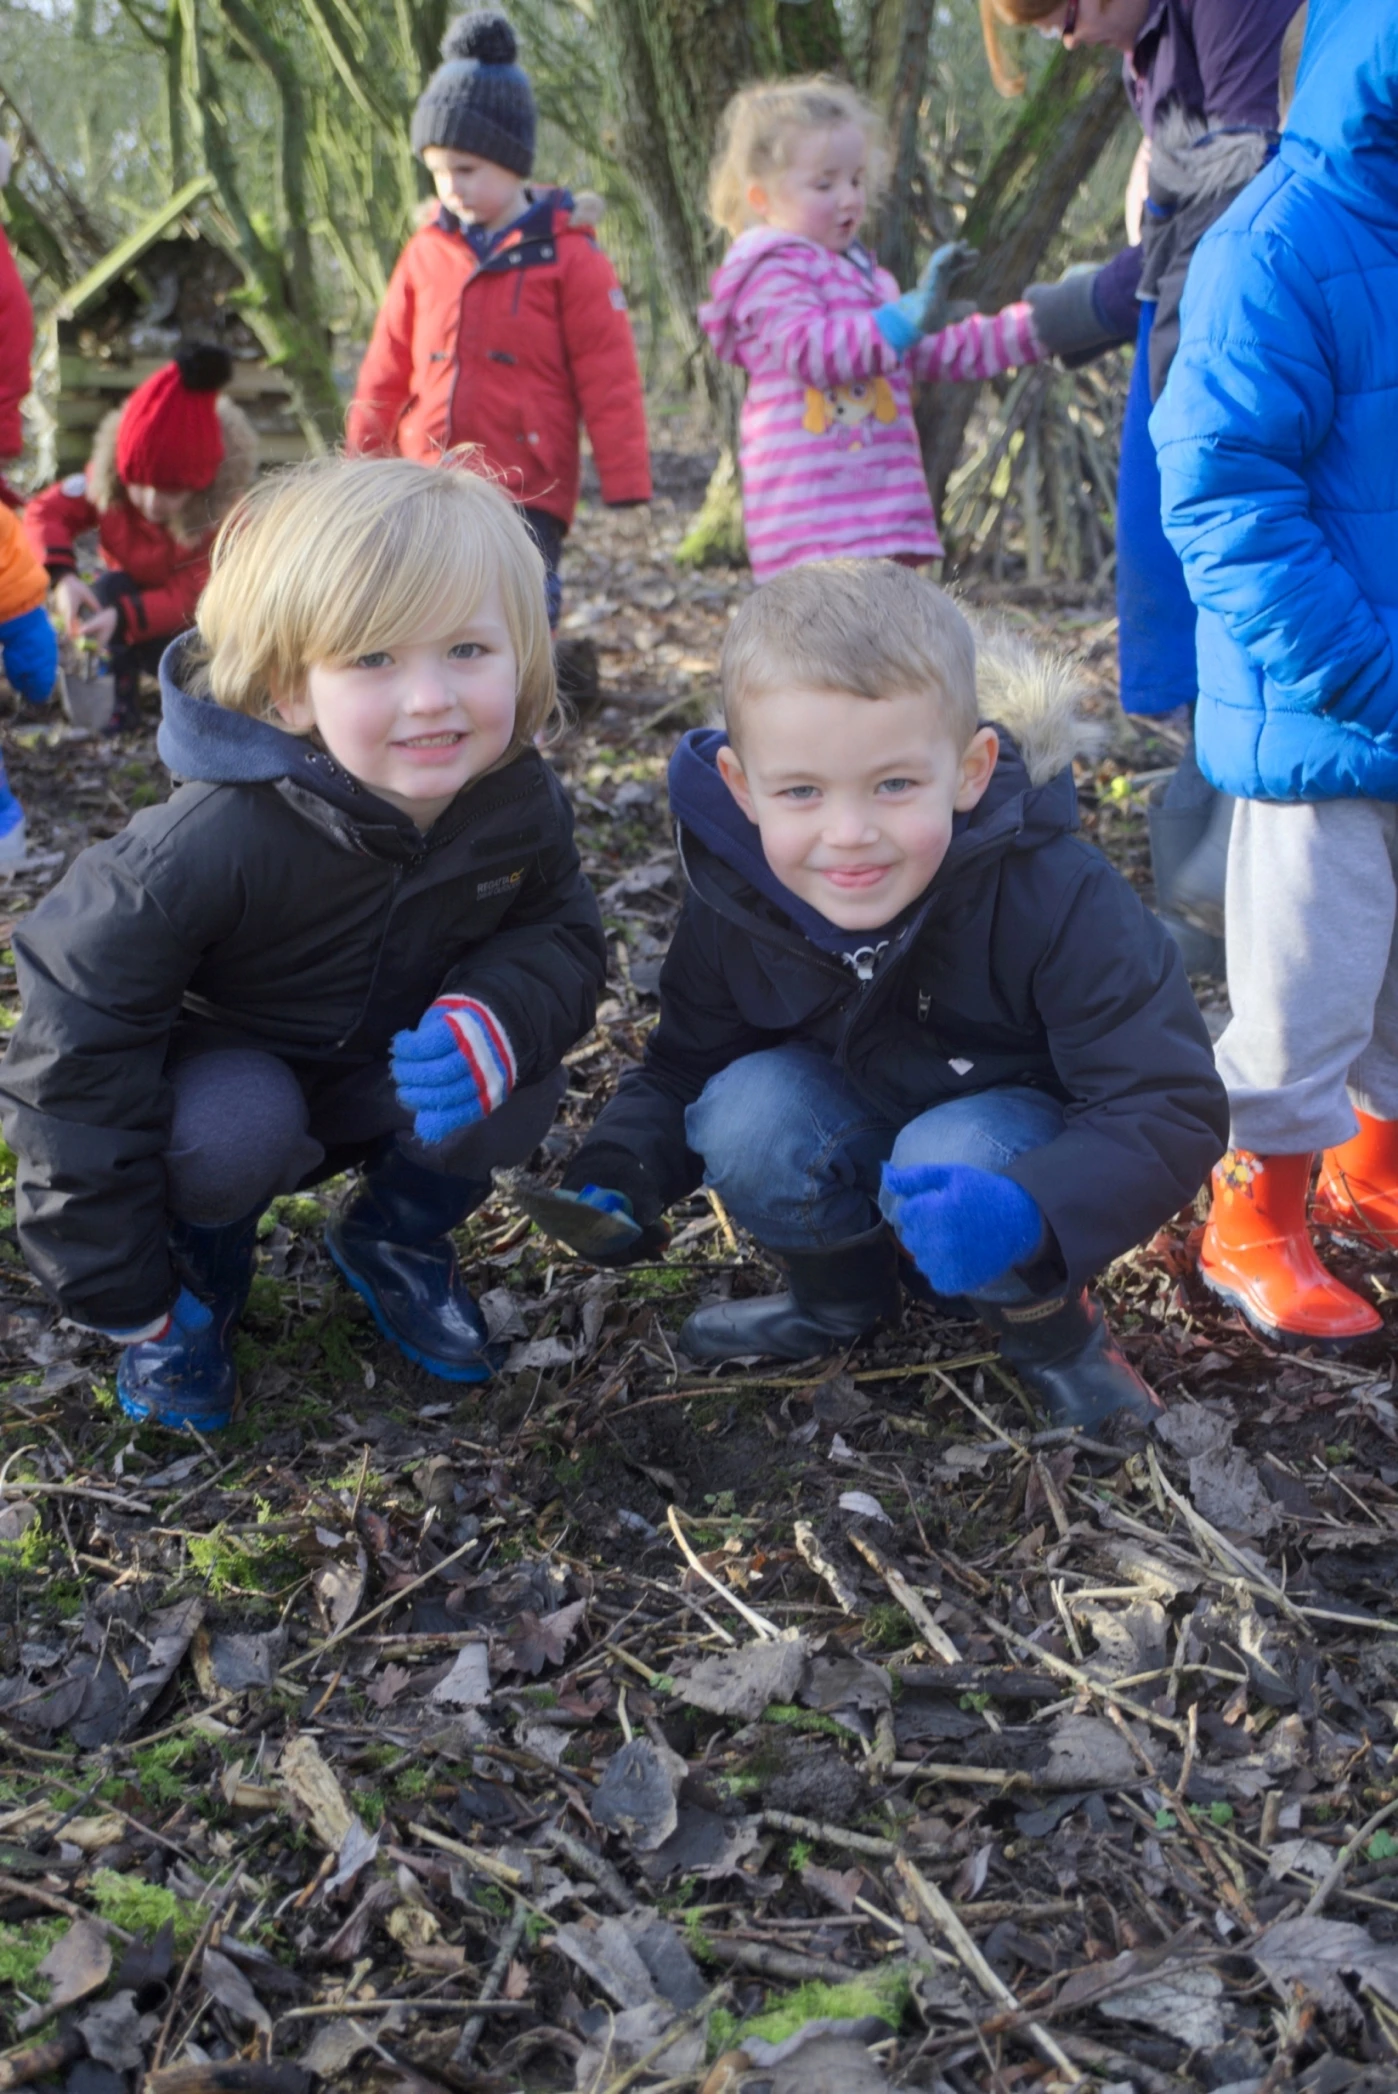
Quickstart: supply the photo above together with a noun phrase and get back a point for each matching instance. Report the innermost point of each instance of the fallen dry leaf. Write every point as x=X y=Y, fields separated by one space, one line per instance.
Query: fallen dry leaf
x=304 y=1773
x=540 y=1640
x=79 y=1962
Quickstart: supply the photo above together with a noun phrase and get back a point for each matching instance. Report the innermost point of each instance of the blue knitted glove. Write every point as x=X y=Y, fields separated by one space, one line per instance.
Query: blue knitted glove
x=188 y=1316
x=904 y=321
x=29 y=645
x=454 y=1069
x=963 y=1227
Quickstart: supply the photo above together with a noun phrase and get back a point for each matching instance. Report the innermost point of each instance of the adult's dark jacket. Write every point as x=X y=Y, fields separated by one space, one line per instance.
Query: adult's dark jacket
x=1030 y=960
x=272 y=902
x=1203 y=80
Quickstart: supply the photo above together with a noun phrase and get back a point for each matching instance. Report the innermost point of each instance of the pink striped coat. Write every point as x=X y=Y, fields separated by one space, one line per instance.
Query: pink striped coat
x=829 y=453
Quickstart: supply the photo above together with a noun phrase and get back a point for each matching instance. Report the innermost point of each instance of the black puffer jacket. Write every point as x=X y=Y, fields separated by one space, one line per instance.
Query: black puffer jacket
x=272 y=902
x=1030 y=961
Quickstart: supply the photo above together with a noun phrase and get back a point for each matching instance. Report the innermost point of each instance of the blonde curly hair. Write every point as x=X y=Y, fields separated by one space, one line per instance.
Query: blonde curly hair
x=757 y=131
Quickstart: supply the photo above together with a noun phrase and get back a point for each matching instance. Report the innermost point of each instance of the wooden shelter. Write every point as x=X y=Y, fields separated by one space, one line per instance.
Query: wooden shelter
x=167 y=283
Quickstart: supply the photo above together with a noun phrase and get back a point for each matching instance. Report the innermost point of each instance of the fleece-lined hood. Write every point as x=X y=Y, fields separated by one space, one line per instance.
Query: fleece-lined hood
x=1343 y=127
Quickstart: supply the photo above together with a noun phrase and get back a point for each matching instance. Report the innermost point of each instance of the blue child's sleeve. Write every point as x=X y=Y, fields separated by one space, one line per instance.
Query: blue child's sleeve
x=29 y=646
x=1250 y=399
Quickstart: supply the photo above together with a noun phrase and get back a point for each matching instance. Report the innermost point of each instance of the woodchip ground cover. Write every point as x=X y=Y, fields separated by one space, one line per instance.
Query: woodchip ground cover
x=625 y=1726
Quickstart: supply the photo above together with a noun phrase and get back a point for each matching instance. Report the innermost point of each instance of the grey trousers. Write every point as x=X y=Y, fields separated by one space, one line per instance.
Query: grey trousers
x=247 y=1126
x=1312 y=972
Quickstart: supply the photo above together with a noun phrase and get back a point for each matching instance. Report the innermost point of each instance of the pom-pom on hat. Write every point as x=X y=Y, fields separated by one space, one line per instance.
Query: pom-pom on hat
x=169 y=434
x=479 y=100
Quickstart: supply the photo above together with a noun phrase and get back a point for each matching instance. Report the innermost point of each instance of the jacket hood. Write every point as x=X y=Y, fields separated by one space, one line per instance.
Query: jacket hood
x=1343 y=127
x=716 y=315
x=207 y=744
x=1033 y=697
x=209 y=505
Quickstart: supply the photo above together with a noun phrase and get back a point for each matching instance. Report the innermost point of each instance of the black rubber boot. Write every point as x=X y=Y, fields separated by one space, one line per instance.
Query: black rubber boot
x=1176 y=835
x=188 y=1377
x=835 y=1295
x=392 y=1242
x=1201 y=882
x=1063 y=1351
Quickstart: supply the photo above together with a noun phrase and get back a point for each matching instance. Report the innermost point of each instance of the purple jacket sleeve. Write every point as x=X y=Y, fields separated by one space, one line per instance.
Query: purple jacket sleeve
x=1114 y=293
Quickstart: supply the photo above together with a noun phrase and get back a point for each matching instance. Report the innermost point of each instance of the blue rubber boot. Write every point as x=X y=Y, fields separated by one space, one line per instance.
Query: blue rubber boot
x=392 y=1243
x=14 y=845
x=188 y=1376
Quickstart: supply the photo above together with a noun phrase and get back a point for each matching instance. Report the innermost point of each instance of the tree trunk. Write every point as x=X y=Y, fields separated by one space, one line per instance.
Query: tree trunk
x=280 y=305
x=898 y=58
x=810 y=37
x=673 y=66
x=1061 y=133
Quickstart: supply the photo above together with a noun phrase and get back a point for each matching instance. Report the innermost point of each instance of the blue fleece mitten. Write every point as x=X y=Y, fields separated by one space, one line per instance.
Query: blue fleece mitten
x=187 y=1318
x=29 y=646
x=454 y=1069
x=963 y=1227
x=904 y=321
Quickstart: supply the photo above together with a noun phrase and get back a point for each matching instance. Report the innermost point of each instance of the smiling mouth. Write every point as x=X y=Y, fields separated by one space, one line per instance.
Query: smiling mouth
x=432 y=741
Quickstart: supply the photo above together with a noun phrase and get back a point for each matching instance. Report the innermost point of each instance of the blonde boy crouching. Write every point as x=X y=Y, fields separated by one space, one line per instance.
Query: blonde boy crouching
x=912 y=1027
x=357 y=934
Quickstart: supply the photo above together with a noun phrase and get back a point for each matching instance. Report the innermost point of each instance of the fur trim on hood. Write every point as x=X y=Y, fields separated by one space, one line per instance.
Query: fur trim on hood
x=1189 y=162
x=208 y=507
x=1036 y=697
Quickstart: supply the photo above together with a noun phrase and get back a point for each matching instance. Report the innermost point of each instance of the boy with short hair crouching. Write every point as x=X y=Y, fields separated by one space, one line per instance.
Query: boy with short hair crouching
x=357 y=934
x=906 y=1009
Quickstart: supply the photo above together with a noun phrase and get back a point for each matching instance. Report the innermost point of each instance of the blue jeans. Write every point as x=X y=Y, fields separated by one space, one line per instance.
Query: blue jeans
x=794 y=1152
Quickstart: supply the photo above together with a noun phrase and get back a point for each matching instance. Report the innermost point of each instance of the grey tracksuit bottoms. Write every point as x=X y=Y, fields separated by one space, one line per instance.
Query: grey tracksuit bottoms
x=1312 y=927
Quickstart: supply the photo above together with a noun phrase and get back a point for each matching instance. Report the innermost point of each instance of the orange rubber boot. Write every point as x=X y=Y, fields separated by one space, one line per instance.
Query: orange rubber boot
x=1358 y=1189
x=1257 y=1254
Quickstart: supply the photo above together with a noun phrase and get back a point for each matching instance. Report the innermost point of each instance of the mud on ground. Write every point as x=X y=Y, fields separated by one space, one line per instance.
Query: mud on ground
x=620 y=1725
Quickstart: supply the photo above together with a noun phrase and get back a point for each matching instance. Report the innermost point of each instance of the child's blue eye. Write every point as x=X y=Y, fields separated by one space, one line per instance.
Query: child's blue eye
x=378 y=660
x=803 y=793
x=896 y=785
x=465 y=651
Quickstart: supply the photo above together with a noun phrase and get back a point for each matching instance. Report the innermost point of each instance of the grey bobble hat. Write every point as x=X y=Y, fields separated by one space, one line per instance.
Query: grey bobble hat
x=479 y=100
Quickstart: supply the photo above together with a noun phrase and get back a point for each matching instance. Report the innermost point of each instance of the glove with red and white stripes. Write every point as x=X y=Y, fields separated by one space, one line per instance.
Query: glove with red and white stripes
x=454 y=1068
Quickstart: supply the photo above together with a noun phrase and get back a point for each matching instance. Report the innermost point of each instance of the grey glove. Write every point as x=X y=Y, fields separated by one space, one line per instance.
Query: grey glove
x=947 y=265
x=1066 y=318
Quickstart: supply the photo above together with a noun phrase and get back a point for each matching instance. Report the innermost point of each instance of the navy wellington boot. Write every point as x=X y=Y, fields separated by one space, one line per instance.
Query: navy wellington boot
x=1064 y=1353
x=835 y=1294
x=188 y=1377
x=392 y=1242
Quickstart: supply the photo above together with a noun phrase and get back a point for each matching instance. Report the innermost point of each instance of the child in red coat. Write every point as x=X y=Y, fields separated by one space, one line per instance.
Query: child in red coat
x=504 y=322
x=164 y=472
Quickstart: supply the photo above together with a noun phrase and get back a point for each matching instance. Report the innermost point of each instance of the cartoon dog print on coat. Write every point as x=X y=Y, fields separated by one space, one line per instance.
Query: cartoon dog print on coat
x=843 y=407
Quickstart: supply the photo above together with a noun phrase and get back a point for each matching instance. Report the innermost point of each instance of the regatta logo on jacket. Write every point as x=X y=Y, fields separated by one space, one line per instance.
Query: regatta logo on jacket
x=505 y=883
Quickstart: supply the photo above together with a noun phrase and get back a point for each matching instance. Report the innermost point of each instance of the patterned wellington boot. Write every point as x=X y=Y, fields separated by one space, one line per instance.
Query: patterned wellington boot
x=188 y=1377
x=1257 y=1254
x=392 y=1242
x=1358 y=1189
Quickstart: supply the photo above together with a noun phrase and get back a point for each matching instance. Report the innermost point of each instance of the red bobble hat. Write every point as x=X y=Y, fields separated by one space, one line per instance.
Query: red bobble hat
x=169 y=435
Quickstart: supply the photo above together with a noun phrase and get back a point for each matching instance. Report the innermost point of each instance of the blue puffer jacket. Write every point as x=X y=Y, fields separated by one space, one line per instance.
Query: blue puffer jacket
x=1278 y=439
